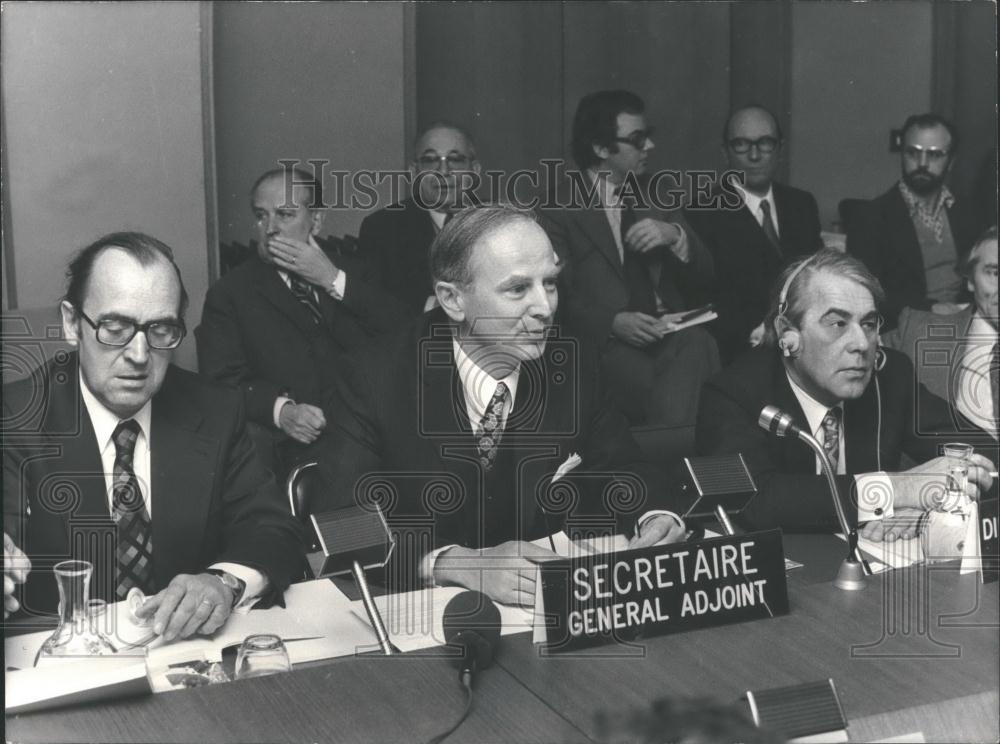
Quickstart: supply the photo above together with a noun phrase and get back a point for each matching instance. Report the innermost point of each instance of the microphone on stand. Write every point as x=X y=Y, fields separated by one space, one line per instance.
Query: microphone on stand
x=854 y=568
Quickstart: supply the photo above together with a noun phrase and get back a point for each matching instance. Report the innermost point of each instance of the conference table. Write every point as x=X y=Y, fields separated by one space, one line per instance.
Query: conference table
x=915 y=653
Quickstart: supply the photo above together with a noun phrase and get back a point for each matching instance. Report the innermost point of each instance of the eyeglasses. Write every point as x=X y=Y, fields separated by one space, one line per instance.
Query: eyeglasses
x=454 y=161
x=934 y=154
x=742 y=145
x=160 y=334
x=638 y=138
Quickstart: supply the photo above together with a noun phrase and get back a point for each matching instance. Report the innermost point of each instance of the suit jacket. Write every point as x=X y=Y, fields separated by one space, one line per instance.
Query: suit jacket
x=211 y=499
x=790 y=494
x=746 y=265
x=396 y=242
x=403 y=438
x=594 y=277
x=256 y=336
x=883 y=236
x=936 y=346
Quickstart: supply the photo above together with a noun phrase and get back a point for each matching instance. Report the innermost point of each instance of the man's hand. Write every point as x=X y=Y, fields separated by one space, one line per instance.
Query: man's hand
x=756 y=337
x=658 y=528
x=301 y=421
x=15 y=571
x=903 y=525
x=505 y=573
x=306 y=260
x=636 y=329
x=191 y=603
x=649 y=234
x=924 y=487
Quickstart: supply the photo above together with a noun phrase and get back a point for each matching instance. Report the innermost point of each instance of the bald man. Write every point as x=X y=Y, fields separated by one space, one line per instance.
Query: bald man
x=771 y=224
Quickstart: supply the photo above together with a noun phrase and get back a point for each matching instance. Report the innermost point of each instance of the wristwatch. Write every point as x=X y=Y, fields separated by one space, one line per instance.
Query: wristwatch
x=235 y=584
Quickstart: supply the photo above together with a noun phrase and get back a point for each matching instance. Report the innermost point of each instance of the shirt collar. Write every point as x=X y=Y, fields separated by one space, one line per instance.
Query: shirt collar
x=604 y=187
x=752 y=200
x=917 y=206
x=104 y=421
x=814 y=410
x=981 y=331
x=437 y=217
x=478 y=385
x=284 y=274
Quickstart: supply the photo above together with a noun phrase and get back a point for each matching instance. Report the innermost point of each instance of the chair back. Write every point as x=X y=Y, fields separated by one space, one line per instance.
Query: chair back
x=303 y=482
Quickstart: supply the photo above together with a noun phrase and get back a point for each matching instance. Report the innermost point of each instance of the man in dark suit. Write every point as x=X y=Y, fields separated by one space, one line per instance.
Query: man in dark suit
x=276 y=325
x=113 y=456
x=396 y=240
x=956 y=355
x=753 y=228
x=911 y=236
x=631 y=270
x=818 y=364
x=459 y=425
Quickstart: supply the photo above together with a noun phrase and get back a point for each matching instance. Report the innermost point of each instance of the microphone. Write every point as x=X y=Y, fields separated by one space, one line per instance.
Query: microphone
x=472 y=624
x=855 y=567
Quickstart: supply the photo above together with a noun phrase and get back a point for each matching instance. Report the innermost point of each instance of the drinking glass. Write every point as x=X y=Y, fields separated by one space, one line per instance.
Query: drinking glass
x=260 y=655
x=958 y=456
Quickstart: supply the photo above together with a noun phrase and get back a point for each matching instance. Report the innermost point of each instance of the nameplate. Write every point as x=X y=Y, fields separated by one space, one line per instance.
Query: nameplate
x=988 y=541
x=620 y=597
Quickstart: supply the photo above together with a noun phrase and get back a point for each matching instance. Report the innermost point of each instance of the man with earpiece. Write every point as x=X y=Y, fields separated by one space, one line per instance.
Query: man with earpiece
x=822 y=364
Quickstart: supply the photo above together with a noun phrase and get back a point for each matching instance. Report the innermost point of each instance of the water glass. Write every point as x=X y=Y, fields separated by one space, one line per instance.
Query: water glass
x=261 y=655
x=959 y=456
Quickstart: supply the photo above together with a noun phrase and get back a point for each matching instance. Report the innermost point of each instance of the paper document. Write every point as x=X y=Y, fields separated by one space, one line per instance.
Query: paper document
x=666 y=326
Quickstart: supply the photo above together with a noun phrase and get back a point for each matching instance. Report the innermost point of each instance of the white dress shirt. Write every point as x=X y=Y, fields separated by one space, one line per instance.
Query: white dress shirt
x=753 y=202
x=104 y=423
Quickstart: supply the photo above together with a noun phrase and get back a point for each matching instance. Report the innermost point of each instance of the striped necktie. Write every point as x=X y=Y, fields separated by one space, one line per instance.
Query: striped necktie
x=305 y=294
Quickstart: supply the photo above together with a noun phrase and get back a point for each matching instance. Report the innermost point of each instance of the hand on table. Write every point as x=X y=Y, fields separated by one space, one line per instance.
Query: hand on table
x=305 y=260
x=301 y=421
x=505 y=573
x=191 y=603
x=636 y=329
x=660 y=527
x=15 y=571
x=924 y=487
x=903 y=525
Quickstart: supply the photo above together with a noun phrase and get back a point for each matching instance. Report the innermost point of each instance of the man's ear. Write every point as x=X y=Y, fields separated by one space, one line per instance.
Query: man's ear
x=601 y=151
x=70 y=323
x=450 y=298
x=316 y=220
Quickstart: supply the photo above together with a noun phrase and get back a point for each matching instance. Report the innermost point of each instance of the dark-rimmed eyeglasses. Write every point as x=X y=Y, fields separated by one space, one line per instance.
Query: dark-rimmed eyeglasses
x=742 y=145
x=160 y=334
x=637 y=139
x=454 y=161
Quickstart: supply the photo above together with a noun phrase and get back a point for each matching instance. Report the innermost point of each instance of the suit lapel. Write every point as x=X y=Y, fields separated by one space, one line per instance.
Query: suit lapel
x=182 y=468
x=797 y=455
x=271 y=286
x=595 y=225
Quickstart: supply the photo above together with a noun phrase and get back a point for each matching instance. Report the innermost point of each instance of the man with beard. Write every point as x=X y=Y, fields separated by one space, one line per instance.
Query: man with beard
x=911 y=236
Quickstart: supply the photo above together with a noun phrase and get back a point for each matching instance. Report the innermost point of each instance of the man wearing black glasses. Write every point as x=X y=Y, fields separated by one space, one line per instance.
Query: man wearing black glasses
x=753 y=226
x=113 y=456
x=632 y=271
x=911 y=236
x=396 y=239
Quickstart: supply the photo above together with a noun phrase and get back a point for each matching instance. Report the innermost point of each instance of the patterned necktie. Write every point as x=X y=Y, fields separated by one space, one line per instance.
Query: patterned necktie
x=491 y=427
x=995 y=383
x=134 y=547
x=831 y=436
x=767 y=225
x=304 y=293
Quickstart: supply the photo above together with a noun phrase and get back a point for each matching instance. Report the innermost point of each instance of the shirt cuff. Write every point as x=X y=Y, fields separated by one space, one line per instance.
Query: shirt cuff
x=339 y=287
x=875 y=496
x=427 y=564
x=657 y=513
x=279 y=403
x=256 y=582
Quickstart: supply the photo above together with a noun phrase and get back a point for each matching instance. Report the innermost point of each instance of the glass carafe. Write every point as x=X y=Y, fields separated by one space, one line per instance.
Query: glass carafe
x=78 y=633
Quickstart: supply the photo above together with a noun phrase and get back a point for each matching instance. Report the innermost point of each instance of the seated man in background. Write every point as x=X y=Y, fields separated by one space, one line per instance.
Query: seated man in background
x=141 y=468
x=275 y=325
x=911 y=236
x=459 y=425
x=631 y=270
x=754 y=239
x=396 y=240
x=821 y=364
x=956 y=355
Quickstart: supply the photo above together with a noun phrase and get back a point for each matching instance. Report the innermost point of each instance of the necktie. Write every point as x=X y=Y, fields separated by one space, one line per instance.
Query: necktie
x=304 y=293
x=134 y=547
x=831 y=436
x=767 y=225
x=642 y=271
x=491 y=427
x=995 y=383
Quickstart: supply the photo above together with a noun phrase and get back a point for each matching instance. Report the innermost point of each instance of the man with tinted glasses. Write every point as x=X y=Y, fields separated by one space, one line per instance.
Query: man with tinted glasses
x=631 y=270
x=396 y=239
x=753 y=227
x=911 y=236
x=820 y=363
x=114 y=456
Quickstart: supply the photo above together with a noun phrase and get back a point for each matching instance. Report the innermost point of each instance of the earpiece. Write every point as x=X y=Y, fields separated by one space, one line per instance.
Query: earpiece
x=880 y=358
x=789 y=342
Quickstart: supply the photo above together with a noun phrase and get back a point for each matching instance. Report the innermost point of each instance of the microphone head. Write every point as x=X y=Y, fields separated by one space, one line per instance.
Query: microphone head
x=472 y=621
x=774 y=420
